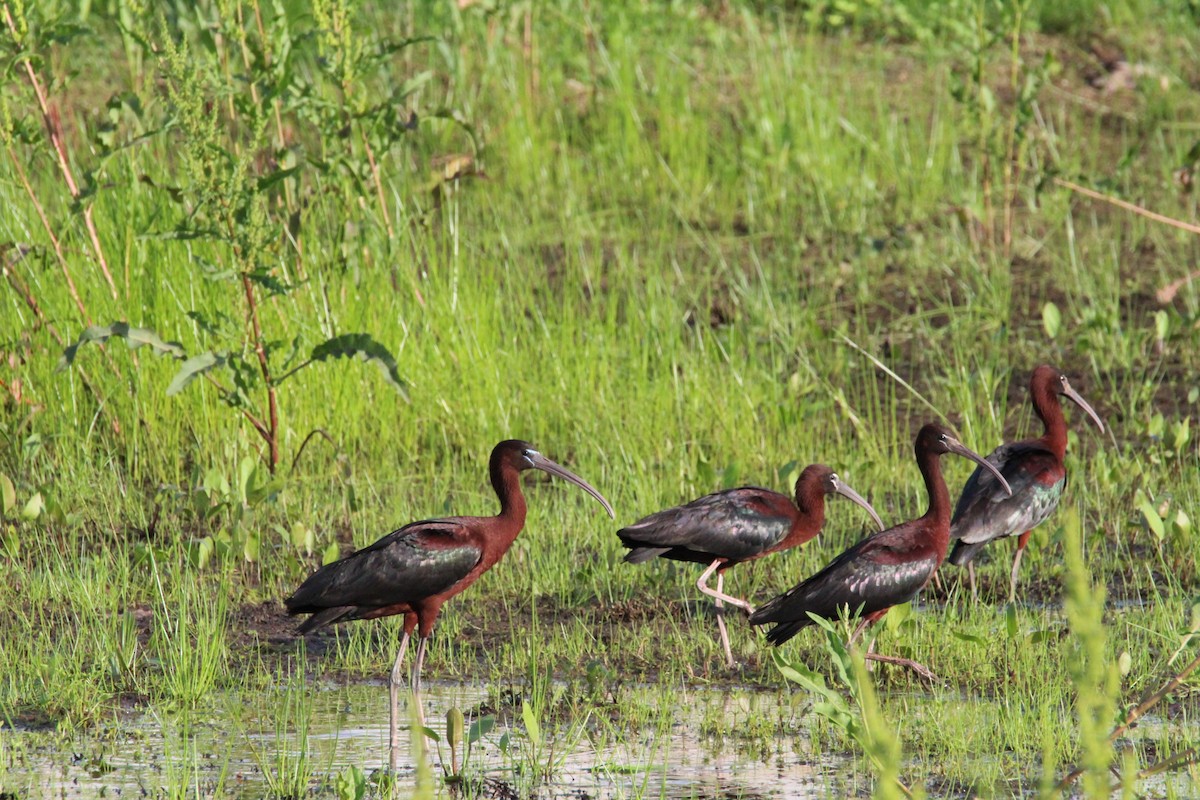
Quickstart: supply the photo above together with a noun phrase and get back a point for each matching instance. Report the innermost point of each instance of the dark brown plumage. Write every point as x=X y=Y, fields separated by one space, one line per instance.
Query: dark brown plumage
x=414 y=570
x=883 y=570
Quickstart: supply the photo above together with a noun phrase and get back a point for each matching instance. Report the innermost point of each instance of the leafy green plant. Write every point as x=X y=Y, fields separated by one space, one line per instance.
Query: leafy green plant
x=460 y=739
x=226 y=196
x=858 y=716
x=237 y=395
x=1003 y=138
x=350 y=783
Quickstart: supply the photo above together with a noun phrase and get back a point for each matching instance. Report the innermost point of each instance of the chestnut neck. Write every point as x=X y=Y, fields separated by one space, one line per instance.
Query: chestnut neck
x=506 y=480
x=937 y=517
x=810 y=500
x=1049 y=410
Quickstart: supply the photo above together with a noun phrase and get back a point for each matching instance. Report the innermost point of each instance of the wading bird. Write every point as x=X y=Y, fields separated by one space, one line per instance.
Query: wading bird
x=415 y=569
x=736 y=525
x=883 y=570
x=1033 y=467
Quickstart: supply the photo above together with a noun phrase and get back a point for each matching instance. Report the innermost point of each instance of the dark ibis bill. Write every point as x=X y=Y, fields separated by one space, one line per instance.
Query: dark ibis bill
x=1078 y=400
x=840 y=487
x=955 y=446
x=539 y=461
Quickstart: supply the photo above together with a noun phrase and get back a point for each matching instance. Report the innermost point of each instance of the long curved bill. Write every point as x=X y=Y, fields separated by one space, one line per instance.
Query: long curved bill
x=956 y=446
x=539 y=461
x=1079 y=401
x=840 y=487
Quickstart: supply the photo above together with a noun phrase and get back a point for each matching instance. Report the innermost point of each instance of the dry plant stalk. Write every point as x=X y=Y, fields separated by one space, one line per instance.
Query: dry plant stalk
x=54 y=130
x=1167 y=293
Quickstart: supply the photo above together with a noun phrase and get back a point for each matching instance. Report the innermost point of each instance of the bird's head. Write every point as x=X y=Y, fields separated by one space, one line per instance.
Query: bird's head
x=822 y=479
x=1051 y=381
x=520 y=455
x=937 y=439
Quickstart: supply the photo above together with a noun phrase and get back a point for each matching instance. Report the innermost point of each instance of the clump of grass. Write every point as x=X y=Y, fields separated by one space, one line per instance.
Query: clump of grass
x=188 y=641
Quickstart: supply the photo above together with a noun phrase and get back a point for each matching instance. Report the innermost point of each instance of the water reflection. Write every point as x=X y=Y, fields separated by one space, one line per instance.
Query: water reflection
x=307 y=741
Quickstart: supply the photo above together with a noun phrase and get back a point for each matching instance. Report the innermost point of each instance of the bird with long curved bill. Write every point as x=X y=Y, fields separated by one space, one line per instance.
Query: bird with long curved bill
x=883 y=570
x=1035 y=470
x=414 y=570
x=728 y=527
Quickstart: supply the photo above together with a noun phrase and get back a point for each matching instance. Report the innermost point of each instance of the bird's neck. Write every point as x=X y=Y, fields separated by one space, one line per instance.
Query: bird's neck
x=507 y=483
x=1049 y=411
x=812 y=512
x=938 y=514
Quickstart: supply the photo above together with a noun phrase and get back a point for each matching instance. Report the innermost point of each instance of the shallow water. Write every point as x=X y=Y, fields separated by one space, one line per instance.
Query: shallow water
x=705 y=743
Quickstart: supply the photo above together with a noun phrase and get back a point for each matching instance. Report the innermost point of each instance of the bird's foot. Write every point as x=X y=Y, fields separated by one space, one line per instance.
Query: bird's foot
x=922 y=670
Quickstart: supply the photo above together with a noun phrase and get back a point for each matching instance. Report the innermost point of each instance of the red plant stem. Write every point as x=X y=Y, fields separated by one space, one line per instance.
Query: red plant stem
x=41 y=212
x=54 y=131
x=271 y=435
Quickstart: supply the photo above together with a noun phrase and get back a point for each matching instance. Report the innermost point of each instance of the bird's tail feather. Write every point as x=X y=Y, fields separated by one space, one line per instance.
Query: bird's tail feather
x=324 y=617
x=964 y=552
x=639 y=555
x=786 y=630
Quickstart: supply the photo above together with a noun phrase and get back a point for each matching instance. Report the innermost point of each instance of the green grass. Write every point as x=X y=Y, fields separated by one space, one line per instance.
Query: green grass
x=681 y=218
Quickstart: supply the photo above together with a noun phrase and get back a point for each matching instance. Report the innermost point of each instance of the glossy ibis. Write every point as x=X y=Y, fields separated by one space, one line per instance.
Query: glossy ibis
x=415 y=569
x=1033 y=467
x=726 y=528
x=883 y=570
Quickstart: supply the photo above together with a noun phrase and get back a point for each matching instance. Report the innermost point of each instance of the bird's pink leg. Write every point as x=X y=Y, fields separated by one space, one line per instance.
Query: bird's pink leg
x=920 y=669
x=862 y=626
x=415 y=683
x=717 y=594
x=971 y=577
x=1022 y=540
x=394 y=698
x=871 y=655
x=721 y=624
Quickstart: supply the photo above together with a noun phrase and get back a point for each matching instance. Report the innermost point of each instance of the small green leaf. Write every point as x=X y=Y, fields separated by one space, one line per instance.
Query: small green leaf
x=8 y=495
x=1156 y=426
x=33 y=507
x=968 y=637
x=1162 y=325
x=897 y=616
x=1051 y=320
x=267 y=181
x=134 y=337
x=455 y=725
x=1040 y=635
x=10 y=541
x=250 y=548
x=204 y=551
x=1181 y=433
x=332 y=553
x=1010 y=622
x=1150 y=515
x=480 y=728
x=362 y=346
x=1124 y=662
x=413 y=84
x=193 y=368
x=245 y=471
x=532 y=728
x=303 y=538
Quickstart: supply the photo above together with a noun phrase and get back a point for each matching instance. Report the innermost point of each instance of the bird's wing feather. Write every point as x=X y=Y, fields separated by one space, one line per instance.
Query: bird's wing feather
x=414 y=562
x=877 y=573
x=734 y=524
x=985 y=512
